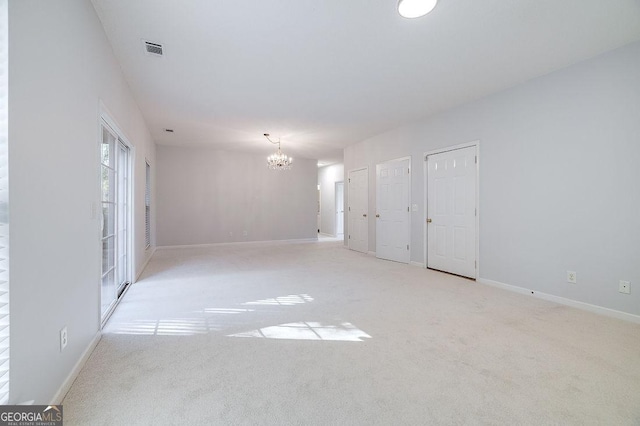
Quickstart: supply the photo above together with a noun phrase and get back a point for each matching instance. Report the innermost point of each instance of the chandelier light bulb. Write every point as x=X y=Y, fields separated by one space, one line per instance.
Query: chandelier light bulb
x=415 y=8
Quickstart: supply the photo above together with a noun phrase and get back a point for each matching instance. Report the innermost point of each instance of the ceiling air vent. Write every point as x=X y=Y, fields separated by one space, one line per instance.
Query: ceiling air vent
x=154 y=49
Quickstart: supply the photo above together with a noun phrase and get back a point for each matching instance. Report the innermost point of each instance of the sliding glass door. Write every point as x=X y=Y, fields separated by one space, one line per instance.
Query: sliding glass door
x=115 y=219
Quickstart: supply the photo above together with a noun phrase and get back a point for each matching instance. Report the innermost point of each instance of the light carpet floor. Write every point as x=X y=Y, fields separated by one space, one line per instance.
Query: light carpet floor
x=314 y=334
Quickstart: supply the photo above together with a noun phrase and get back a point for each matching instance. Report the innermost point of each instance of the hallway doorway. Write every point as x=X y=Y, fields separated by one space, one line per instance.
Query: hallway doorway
x=339 y=209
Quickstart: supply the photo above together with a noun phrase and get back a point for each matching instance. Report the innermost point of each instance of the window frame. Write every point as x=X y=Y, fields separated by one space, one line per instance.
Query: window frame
x=147 y=204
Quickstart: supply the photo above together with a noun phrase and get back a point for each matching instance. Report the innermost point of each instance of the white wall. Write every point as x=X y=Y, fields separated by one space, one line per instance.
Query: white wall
x=60 y=67
x=209 y=196
x=559 y=178
x=327 y=178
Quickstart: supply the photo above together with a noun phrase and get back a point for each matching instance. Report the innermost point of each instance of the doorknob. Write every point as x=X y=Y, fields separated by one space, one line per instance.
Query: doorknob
x=429 y=220
x=364 y=215
x=377 y=215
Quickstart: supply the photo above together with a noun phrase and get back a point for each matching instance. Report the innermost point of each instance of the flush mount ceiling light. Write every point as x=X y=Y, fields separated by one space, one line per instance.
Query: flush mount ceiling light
x=278 y=161
x=415 y=8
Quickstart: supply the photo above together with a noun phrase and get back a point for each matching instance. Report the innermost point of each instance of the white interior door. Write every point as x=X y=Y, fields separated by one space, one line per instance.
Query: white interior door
x=339 y=208
x=392 y=210
x=358 y=210
x=451 y=211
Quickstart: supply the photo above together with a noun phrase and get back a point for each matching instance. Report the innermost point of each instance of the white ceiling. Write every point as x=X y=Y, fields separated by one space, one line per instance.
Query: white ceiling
x=324 y=74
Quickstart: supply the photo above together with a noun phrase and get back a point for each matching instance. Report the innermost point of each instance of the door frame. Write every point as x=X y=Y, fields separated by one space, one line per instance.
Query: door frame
x=473 y=144
x=335 y=205
x=348 y=231
x=106 y=119
x=319 y=214
x=408 y=157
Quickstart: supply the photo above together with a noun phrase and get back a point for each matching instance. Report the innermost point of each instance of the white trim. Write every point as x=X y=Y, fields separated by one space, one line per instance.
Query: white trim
x=324 y=234
x=146 y=262
x=66 y=385
x=407 y=157
x=452 y=148
x=235 y=243
x=335 y=207
x=131 y=228
x=114 y=305
x=348 y=231
x=475 y=144
x=419 y=264
x=107 y=116
x=563 y=301
x=371 y=253
x=409 y=199
x=147 y=185
x=319 y=216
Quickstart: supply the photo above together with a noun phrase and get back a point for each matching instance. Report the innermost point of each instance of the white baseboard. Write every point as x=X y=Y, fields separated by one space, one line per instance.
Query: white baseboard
x=564 y=301
x=235 y=243
x=371 y=253
x=418 y=264
x=153 y=250
x=66 y=385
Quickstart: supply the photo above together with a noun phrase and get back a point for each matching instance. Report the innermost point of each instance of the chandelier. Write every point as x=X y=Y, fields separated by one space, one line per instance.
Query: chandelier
x=278 y=161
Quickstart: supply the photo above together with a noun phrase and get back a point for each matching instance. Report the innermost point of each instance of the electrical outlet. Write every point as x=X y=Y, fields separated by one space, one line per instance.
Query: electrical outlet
x=245 y=233
x=63 y=338
x=625 y=287
x=572 y=277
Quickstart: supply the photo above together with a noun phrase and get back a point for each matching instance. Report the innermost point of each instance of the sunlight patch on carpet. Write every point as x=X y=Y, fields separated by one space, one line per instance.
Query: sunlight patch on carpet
x=346 y=332
x=225 y=311
x=164 y=327
x=292 y=299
